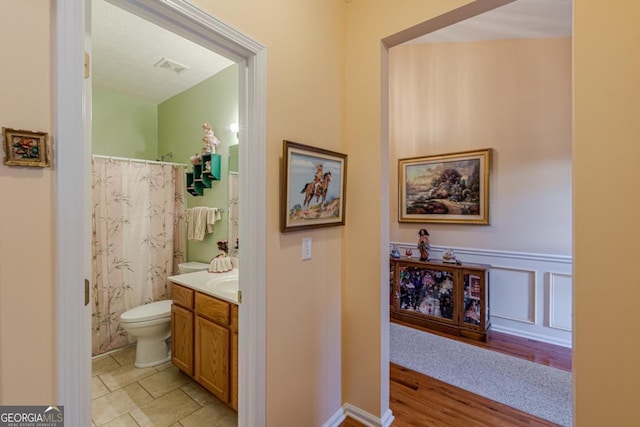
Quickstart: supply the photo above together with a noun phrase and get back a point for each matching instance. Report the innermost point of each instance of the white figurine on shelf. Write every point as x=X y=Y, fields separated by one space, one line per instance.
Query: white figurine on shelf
x=196 y=159
x=210 y=140
x=449 y=257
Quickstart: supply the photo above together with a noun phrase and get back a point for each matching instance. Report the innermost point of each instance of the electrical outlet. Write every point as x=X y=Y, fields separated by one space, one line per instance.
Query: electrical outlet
x=306 y=248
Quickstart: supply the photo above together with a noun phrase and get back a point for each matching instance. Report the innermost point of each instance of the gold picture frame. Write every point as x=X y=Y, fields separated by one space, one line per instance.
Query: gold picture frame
x=25 y=148
x=314 y=186
x=445 y=188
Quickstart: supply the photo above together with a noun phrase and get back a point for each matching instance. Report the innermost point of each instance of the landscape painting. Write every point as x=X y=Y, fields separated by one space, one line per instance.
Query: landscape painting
x=447 y=188
x=314 y=184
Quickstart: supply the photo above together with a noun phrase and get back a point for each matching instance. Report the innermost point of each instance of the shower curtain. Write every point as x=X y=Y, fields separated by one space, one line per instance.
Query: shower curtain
x=138 y=240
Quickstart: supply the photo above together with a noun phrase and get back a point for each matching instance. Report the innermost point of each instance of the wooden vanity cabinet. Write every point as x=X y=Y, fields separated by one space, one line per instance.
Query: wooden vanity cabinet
x=233 y=398
x=182 y=338
x=204 y=340
x=212 y=347
x=449 y=298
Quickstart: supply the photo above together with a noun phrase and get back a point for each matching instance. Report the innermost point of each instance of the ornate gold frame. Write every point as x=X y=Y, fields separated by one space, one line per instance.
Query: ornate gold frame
x=26 y=148
x=446 y=188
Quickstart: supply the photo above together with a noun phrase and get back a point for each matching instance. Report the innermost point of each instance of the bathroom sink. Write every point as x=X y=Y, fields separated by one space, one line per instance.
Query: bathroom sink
x=225 y=284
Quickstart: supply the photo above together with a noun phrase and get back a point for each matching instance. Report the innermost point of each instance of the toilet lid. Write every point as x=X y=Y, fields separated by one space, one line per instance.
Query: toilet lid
x=154 y=310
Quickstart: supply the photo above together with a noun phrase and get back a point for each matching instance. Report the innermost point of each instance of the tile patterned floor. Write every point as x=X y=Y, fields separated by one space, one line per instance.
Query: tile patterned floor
x=161 y=396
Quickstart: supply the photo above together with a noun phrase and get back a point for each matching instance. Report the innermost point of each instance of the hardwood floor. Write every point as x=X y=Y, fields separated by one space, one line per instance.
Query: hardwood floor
x=419 y=400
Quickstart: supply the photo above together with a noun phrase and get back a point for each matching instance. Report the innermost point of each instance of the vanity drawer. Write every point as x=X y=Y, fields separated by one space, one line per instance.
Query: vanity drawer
x=182 y=296
x=213 y=308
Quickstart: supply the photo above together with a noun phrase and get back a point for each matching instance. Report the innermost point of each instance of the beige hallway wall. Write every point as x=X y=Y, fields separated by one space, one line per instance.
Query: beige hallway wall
x=27 y=289
x=605 y=152
x=513 y=96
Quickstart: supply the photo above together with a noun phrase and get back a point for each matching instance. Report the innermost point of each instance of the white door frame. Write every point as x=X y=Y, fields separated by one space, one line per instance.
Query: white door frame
x=72 y=196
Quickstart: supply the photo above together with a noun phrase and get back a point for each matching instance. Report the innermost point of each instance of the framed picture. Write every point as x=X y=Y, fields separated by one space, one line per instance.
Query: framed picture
x=314 y=187
x=25 y=148
x=448 y=188
x=474 y=287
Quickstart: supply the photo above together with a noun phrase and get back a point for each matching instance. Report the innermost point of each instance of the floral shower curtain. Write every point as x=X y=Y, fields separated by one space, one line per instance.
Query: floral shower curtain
x=138 y=240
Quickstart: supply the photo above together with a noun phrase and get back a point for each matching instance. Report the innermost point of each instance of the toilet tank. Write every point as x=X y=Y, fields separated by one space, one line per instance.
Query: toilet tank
x=190 y=267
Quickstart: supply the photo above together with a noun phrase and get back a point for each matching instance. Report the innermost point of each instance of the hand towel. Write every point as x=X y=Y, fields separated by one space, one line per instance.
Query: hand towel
x=196 y=222
x=213 y=215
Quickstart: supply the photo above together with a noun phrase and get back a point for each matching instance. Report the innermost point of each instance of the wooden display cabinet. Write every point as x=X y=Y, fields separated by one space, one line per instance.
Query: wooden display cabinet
x=449 y=298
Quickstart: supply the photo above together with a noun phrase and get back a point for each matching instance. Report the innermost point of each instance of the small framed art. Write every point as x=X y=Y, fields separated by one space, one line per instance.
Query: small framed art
x=25 y=148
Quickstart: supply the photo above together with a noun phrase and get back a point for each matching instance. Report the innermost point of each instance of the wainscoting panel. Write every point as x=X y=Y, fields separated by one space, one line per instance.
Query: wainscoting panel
x=512 y=294
x=560 y=301
x=530 y=295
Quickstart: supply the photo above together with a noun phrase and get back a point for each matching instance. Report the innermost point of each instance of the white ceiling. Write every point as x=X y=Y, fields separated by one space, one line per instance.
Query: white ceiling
x=125 y=48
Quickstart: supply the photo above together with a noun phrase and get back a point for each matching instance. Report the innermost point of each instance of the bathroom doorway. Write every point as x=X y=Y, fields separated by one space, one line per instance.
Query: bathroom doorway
x=73 y=323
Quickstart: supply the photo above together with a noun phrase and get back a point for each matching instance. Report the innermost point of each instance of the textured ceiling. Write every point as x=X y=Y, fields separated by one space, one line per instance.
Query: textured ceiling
x=125 y=49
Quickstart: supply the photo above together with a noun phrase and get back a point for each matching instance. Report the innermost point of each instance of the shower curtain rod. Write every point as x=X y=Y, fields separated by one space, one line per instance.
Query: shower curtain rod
x=125 y=159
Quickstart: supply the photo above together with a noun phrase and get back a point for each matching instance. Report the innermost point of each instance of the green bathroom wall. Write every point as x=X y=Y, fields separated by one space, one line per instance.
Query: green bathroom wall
x=180 y=120
x=123 y=126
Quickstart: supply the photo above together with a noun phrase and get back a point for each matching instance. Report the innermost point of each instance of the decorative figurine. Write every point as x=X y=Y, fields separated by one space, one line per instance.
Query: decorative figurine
x=423 y=244
x=448 y=256
x=209 y=139
x=221 y=263
x=223 y=246
x=395 y=253
x=408 y=252
x=196 y=159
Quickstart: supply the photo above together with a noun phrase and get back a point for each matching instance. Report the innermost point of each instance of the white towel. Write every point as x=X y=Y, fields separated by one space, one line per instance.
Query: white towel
x=196 y=222
x=200 y=220
x=213 y=215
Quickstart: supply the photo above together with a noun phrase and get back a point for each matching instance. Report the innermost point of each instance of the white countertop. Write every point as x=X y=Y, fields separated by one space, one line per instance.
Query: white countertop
x=202 y=281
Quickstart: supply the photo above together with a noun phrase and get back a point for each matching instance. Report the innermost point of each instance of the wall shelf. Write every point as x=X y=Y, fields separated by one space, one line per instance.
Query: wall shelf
x=204 y=174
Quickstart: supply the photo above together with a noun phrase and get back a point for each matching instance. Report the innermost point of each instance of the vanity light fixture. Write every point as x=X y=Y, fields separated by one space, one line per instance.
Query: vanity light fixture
x=234 y=127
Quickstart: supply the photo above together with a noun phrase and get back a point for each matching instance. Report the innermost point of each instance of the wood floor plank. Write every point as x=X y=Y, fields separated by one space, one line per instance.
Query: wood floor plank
x=417 y=399
x=421 y=401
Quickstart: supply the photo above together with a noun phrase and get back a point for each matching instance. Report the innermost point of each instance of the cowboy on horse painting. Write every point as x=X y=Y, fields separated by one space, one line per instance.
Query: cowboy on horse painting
x=316 y=188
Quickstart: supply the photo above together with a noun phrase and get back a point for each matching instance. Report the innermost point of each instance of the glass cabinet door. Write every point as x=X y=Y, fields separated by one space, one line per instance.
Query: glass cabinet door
x=472 y=313
x=428 y=291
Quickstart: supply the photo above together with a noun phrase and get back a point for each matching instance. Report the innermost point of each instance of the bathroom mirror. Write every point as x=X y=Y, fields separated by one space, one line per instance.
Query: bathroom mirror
x=233 y=202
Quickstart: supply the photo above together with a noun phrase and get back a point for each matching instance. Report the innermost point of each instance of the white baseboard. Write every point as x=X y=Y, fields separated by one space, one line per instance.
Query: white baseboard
x=369 y=420
x=533 y=336
x=338 y=417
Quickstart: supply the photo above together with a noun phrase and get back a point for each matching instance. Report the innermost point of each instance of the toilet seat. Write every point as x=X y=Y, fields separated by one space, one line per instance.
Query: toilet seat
x=146 y=312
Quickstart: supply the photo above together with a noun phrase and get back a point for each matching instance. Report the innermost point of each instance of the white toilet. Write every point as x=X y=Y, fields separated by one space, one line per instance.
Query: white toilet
x=151 y=325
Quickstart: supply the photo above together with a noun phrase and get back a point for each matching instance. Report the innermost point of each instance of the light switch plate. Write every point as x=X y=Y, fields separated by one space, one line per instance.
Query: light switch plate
x=306 y=248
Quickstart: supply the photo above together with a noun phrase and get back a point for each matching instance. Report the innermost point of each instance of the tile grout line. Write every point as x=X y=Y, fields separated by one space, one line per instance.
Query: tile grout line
x=146 y=390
